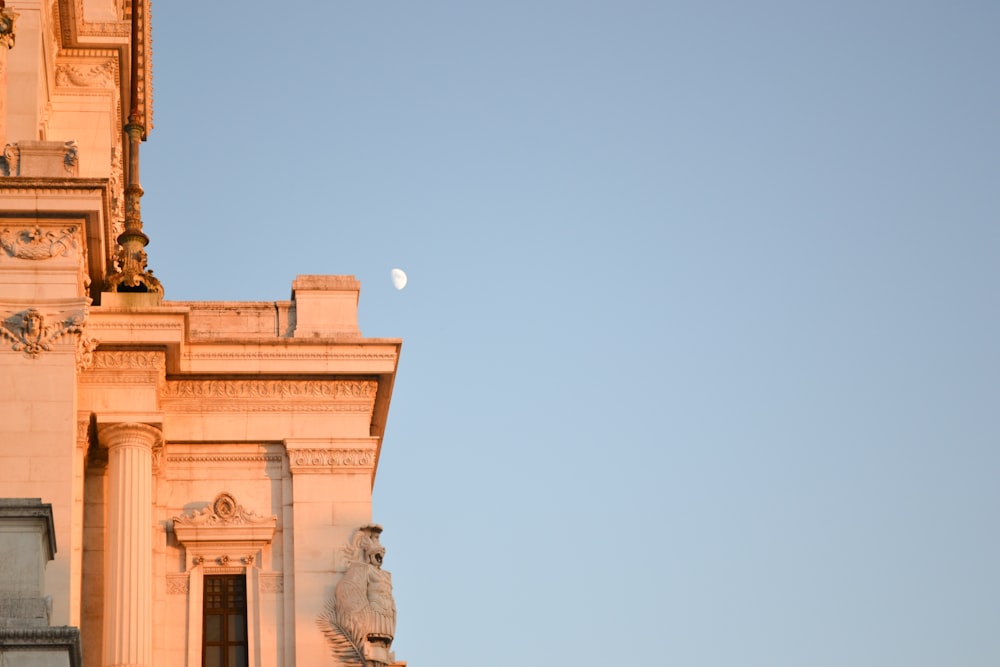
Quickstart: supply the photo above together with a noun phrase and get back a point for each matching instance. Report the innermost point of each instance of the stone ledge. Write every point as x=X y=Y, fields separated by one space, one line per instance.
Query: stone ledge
x=60 y=645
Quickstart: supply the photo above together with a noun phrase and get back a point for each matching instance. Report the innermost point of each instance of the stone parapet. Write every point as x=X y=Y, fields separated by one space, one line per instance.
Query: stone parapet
x=41 y=647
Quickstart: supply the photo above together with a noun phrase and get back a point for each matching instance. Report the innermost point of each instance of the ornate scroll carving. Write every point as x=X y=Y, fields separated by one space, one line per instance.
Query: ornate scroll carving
x=360 y=621
x=29 y=332
x=224 y=511
x=97 y=76
x=35 y=243
x=128 y=359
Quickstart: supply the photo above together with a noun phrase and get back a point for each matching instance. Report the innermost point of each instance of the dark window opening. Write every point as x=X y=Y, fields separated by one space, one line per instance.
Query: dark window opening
x=224 y=633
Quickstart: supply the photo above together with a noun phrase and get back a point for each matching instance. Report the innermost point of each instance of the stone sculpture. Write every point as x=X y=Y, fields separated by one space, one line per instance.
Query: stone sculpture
x=360 y=620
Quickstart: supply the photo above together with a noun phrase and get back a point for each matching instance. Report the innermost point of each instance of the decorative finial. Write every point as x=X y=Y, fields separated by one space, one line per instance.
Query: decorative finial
x=131 y=273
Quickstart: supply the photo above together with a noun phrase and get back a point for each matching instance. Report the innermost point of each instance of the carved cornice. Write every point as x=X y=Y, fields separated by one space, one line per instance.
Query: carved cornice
x=290 y=356
x=359 y=390
x=36 y=243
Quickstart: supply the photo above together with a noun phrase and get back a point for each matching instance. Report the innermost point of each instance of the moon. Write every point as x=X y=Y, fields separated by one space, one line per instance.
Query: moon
x=398 y=278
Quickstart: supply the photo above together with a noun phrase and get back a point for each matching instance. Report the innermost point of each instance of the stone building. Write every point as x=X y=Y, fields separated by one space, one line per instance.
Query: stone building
x=182 y=483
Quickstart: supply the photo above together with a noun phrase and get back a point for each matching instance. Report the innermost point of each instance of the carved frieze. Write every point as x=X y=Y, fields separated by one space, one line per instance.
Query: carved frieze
x=224 y=458
x=272 y=389
x=101 y=75
x=326 y=458
x=38 y=244
x=130 y=360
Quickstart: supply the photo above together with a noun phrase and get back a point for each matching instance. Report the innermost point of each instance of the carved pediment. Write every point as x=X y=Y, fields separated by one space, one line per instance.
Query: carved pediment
x=224 y=532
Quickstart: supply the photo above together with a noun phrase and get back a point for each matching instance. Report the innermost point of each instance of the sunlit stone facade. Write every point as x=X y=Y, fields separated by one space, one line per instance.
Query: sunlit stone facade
x=177 y=444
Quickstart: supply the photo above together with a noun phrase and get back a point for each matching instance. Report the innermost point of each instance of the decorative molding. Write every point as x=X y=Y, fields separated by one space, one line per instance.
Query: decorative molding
x=327 y=458
x=291 y=356
x=131 y=324
x=178 y=584
x=130 y=359
x=272 y=582
x=101 y=75
x=272 y=389
x=224 y=533
x=225 y=458
x=224 y=511
x=29 y=332
x=36 y=243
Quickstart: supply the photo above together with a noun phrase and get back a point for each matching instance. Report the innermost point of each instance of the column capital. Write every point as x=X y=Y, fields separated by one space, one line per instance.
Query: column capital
x=129 y=434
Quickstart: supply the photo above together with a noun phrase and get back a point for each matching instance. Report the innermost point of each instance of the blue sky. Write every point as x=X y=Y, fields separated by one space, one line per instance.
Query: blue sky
x=701 y=358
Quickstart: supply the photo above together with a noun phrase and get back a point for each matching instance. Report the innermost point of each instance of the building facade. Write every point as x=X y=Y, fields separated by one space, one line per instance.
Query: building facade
x=208 y=466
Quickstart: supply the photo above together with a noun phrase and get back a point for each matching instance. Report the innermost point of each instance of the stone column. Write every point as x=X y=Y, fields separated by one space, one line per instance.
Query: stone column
x=128 y=559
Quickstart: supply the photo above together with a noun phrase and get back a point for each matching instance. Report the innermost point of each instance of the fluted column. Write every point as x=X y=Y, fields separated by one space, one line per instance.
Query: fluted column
x=128 y=558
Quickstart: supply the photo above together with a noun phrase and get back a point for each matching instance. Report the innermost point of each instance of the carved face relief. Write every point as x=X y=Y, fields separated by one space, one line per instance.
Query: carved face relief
x=32 y=323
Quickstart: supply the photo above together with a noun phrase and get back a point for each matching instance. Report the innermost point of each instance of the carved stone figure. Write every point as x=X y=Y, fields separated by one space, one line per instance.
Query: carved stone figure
x=360 y=621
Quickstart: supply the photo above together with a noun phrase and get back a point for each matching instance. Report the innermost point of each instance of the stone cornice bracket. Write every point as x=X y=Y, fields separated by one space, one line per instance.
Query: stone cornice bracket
x=7 y=18
x=32 y=332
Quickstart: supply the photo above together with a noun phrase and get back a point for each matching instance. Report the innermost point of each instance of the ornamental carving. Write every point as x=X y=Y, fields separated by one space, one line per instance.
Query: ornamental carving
x=7 y=18
x=177 y=584
x=131 y=360
x=32 y=333
x=36 y=243
x=224 y=511
x=272 y=389
x=271 y=583
x=324 y=458
x=10 y=161
x=360 y=620
x=97 y=76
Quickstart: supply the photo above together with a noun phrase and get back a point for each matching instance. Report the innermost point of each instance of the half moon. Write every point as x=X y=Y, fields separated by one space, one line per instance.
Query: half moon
x=398 y=278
